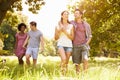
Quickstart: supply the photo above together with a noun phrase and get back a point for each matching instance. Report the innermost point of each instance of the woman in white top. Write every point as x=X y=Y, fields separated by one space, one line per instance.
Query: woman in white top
x=64 y=34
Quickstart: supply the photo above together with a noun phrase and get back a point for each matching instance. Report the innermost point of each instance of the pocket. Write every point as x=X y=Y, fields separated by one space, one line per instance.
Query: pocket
x=85 y=47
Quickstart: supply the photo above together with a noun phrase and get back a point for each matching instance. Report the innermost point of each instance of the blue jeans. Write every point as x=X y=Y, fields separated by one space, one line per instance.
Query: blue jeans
x=67 y=49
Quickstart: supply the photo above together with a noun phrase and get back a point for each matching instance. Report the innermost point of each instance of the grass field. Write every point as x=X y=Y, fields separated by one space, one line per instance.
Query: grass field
x=48 y=69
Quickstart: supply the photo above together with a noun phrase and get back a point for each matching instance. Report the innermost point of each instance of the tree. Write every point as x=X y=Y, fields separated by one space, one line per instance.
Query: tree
x=11 y=18
x=5 y=5
x=8 y=28
x=9 y=39
x=50 y=47
x=104 y=18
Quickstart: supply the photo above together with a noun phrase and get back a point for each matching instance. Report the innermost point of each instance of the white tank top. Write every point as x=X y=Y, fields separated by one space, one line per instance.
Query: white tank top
x=63 y=39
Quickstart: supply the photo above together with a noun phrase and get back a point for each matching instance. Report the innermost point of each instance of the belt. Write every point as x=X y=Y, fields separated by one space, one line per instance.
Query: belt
x=81 y=45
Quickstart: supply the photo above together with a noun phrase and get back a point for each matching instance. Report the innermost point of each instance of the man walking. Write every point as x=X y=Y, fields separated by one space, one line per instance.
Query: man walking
x=35 y=37
x=81 y=41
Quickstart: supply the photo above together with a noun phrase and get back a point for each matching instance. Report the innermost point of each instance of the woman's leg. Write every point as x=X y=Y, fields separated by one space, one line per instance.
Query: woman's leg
x=68 y=54
x=20 y=59
x=68 y=51
x=63 y=59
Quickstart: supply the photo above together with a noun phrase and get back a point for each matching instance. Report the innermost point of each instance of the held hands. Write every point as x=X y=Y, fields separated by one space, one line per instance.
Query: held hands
x=61 y=29
x=41 y=50
x=24 y=47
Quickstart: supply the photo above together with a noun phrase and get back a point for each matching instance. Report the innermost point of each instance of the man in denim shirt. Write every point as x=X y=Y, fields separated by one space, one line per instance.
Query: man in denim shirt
x=81 y=41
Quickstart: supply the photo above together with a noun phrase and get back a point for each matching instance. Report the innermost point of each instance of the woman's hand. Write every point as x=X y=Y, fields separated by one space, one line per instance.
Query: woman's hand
x=24 y=47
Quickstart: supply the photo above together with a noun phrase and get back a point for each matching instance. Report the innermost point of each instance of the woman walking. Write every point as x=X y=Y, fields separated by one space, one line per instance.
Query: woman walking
x=64 y=34
x=20 y=38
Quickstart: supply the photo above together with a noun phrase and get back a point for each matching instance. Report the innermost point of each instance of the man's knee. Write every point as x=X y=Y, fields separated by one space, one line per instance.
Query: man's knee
x=27 y=56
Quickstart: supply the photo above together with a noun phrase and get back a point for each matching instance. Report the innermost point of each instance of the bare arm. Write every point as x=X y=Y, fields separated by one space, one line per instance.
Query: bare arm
x=89 y=35
x=16 y=42
x=89 y=40
x=56 y=34
x=42 y=43
x=71 y=35
x=26 y=41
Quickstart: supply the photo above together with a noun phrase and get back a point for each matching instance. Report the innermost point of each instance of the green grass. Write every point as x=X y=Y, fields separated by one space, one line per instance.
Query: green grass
x=48 y=69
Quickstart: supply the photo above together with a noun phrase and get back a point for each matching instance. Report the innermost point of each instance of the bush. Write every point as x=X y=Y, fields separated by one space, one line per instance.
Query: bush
x=5 y=52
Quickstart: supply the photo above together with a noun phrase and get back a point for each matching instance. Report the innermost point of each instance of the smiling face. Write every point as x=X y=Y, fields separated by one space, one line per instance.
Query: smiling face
x=32 y=27
x=77 y=14
x=22 y=28
x=65 y=15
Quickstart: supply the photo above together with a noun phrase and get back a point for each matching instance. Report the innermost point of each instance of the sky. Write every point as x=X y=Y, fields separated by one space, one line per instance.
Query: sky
x=48 y=16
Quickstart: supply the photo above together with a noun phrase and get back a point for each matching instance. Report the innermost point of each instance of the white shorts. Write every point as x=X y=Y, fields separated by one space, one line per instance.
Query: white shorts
x=32 y=52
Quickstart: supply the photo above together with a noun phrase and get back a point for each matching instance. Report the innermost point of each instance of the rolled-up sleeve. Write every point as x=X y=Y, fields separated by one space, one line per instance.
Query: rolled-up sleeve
x=88 y=30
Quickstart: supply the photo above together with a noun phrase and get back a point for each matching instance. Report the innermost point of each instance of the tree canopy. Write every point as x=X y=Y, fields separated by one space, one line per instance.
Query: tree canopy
x=5 y=5
x=8 y=28
x=104 y=18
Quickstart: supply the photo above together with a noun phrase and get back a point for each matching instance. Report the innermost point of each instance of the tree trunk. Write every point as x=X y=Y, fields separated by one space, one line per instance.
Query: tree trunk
x=5 y=5
x=2 y=15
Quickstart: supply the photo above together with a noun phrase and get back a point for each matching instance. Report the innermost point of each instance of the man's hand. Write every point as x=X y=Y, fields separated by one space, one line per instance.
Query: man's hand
x=42 y=44
x=42 y=49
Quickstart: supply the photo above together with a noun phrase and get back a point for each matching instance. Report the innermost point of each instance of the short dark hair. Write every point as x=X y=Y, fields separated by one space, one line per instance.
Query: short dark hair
x=33 y=23
x=20 y=25
x=79 y=11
